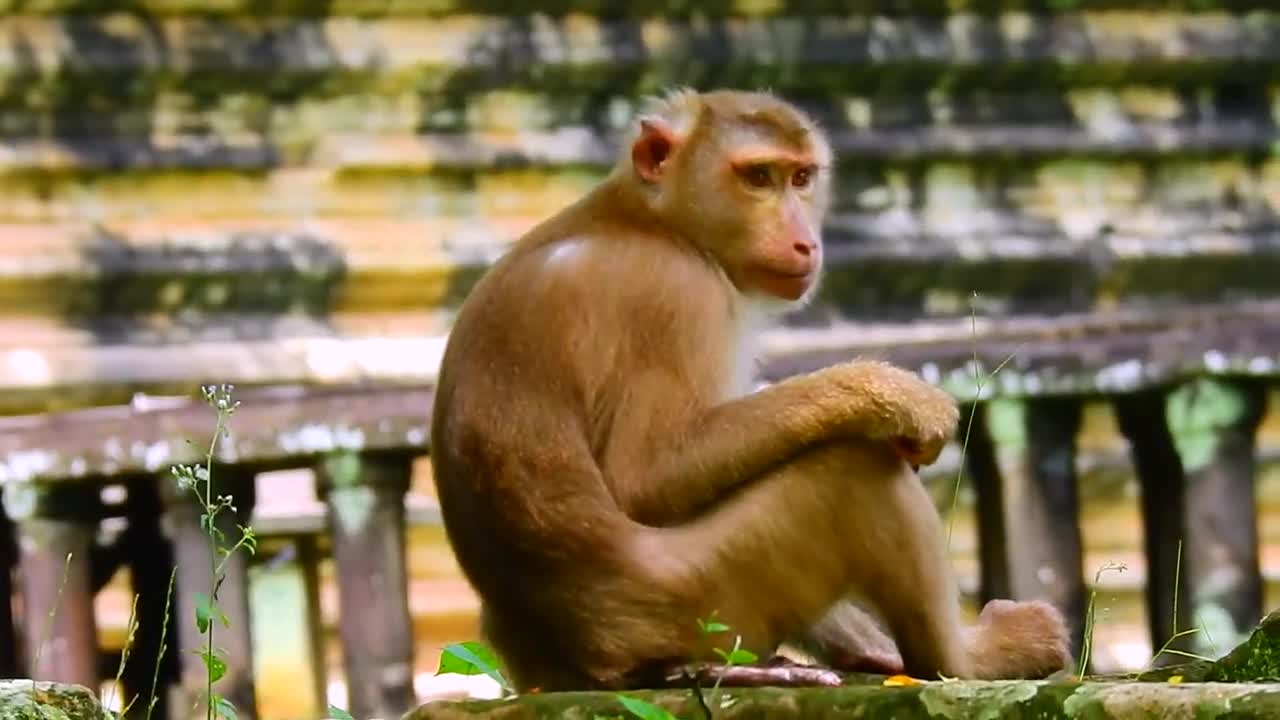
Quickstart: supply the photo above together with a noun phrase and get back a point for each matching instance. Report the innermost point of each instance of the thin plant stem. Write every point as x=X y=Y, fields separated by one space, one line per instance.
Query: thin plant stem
x=211 y=528
x=131 y=629
x=980 y=383
x=1089 y=617
x=164 y=631
x=48 y=621
x=1177 y=578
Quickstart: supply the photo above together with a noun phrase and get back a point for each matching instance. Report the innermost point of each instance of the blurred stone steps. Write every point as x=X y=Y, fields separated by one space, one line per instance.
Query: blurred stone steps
x=677 y=8
x=40 y=55
x=196 y=271
x=575 y=146
x=1127 y=108
x=331 y=176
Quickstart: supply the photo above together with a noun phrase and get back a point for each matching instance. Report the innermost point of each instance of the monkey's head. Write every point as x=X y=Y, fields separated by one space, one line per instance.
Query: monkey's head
x=743 y=176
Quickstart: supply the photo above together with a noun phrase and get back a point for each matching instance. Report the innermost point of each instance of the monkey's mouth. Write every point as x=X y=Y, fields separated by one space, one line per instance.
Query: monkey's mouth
x=784 y=285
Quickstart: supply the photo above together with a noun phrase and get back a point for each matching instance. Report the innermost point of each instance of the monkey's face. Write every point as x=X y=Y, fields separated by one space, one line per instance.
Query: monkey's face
x=779 y=251
x=759 y=204
x=746 y=181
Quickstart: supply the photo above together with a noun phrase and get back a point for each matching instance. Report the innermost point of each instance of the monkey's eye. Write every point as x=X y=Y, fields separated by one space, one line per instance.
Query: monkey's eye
x=802 y=178
x=757 y=175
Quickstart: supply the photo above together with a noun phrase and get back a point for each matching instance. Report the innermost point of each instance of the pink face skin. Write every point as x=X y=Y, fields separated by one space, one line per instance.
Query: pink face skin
x=764 y=193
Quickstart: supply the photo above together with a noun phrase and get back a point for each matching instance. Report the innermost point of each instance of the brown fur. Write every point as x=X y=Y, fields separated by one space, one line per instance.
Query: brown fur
x=604 y=486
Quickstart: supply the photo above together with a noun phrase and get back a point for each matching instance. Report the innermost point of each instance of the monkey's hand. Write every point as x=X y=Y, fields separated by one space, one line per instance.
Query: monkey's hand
x=897 y=406
x=1018 y=640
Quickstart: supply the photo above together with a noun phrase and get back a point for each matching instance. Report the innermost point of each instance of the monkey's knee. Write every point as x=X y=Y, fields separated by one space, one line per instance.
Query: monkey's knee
x=856 y=461
x=869 y=454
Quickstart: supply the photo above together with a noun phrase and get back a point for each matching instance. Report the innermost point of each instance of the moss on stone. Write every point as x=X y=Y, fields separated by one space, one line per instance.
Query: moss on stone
x=31 y=700
x=1256 y=659
x=951 y=700
x=1240 y=685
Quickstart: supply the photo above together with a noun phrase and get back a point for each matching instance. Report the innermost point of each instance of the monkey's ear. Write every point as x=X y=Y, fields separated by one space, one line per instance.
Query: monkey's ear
x=653 y=146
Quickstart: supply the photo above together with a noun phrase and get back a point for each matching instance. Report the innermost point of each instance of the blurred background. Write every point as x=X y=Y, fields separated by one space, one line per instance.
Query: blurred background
x=1062 y=211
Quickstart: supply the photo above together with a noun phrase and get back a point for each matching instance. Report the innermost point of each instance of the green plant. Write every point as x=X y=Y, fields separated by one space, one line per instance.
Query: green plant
x=164 y=647
x=980 y=383
x=472 y=658
x=131 y=629
x=338 y=713
x=48 y=620
x=198 y=479
x=645 y=710
x=1177 y=582
x=1089 y=615
x=736 y=656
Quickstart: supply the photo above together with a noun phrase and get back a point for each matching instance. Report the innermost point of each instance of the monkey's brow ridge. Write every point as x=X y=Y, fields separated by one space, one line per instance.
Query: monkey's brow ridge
x=778 y=126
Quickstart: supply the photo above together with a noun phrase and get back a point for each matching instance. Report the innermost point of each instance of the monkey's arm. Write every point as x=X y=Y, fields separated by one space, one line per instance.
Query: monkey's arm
x=739 y=440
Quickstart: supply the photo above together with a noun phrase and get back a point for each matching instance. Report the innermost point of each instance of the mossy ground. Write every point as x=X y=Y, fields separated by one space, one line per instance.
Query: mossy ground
x=27 y=700
x=1242 y=684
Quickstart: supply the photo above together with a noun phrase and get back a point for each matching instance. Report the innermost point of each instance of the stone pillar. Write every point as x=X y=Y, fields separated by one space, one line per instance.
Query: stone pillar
x=1214 y=423
x=150 y=558
x=1141 y=418
x=984 y=471
x=8 y=635
x=365 y=498
x=287 y=629
x=1034 y=464
x=54 y=522
x=192 y=551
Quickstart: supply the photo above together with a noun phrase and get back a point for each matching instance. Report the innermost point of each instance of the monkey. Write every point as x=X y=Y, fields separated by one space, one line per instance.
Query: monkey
x=608 y=475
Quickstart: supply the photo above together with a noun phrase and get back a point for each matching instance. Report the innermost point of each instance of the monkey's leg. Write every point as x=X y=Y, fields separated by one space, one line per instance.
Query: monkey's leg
x=774 y=558
x=848 y=638
x=842 y=518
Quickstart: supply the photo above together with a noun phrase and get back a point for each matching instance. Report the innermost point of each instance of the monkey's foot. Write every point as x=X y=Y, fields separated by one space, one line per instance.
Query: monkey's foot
x=775 y=672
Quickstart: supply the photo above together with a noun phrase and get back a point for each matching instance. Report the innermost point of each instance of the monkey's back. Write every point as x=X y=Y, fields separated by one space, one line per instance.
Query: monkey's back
x=532 y=385
x=510 y=461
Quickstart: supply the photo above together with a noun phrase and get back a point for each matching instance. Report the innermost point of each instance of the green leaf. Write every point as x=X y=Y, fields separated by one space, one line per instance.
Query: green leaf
x=466 y=658
x=714 y=627
x=737 y=657
x=222 y=708
x=202 y=613
x=645 y=710
x=214 y=665
x=470 y=658
x=206 y=611
x=338 y=713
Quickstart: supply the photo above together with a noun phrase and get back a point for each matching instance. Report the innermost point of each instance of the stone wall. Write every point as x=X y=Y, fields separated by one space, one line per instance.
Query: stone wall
x=173 y=170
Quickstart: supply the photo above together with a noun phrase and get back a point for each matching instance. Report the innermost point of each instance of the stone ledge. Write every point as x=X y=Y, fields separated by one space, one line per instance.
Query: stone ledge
x=374 y=393
x=30 y=700
x=273 y=427
x=1229 y=687
x=927 y=701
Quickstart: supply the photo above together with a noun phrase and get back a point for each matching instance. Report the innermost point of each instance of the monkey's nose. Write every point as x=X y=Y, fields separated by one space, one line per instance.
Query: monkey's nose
x=803 y=249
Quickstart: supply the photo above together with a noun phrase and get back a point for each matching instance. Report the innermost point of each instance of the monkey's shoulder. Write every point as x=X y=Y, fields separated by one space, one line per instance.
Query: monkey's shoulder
x=623 y=265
